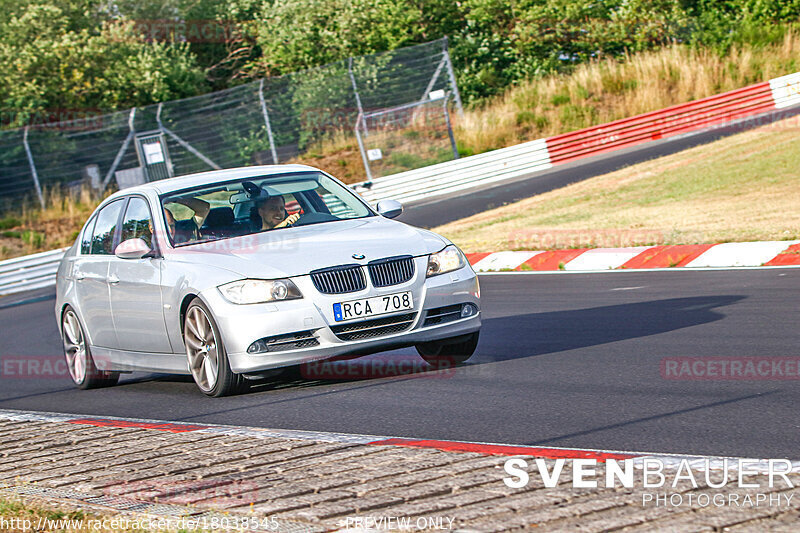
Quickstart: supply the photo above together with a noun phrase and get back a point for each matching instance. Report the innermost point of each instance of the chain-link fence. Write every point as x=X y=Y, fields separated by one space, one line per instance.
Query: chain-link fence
x=407 y=136
x=263 y=122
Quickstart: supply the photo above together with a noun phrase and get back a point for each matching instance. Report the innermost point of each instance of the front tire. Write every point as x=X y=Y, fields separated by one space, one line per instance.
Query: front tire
x=208 y=360
x=446 y=353
x=80 y=363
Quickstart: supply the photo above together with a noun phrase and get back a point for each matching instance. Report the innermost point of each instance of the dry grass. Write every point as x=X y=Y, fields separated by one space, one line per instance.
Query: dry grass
x=338 y=154
x=741 y=188
x=36 y=516
x=35 y=229
x=424 y=142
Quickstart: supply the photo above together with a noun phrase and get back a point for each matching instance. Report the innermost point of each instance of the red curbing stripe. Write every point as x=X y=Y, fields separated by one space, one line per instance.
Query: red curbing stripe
x=667 y=256
x=790 y=256
x=109 y=422
x=474 y=258
x=550 y=260
x=501 y=449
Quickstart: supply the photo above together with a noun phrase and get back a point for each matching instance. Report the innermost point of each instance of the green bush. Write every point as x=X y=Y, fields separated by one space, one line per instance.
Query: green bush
x=9 y=222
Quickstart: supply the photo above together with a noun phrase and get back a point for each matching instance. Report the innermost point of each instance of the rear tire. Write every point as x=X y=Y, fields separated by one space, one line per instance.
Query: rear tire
x=80 y=363
x=445 y=353
x=208 y=360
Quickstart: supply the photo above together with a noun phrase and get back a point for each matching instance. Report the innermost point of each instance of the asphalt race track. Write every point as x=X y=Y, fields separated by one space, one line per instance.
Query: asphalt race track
x=570 y=360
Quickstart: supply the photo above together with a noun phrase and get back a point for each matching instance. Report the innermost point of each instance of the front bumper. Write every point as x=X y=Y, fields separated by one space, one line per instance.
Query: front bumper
x=241 y=325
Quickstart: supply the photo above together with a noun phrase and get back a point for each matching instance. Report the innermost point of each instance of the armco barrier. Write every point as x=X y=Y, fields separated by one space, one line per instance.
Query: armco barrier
x=445 y=178
x=683 y=118
x=36 y=271
x=542 y=154
x=30 y=272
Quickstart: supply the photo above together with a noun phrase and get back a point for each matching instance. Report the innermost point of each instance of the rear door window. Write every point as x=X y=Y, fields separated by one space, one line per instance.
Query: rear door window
x=137 y=223
x=86 y=238
x=105 y=228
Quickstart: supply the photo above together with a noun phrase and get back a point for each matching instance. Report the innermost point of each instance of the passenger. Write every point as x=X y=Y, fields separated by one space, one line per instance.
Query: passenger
x=188 y=229
x=200 y=208
x=170 y=225
x=272 y=210
x=170 y=222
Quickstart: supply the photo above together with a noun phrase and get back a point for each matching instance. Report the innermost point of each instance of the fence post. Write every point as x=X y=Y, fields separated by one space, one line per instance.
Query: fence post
x=358 y=97
x=122 y=150
x=364 y=157
x=452 y=75
x=34 y=174
x=435 y=77
x=450 y=128
x=266 y=121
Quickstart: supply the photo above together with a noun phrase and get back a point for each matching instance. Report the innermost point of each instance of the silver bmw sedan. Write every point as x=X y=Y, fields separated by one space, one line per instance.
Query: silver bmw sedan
x=228 y=274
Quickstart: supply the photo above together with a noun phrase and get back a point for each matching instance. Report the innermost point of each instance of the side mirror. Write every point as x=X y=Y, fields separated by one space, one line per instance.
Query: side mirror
x=390 y=208
x=132 y=249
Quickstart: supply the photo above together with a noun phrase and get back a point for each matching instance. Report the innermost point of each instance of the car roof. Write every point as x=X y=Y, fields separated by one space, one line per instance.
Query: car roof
x=205 y=178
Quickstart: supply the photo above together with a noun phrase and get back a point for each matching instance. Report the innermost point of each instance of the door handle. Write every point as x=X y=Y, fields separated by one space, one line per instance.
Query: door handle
x=113 y=279
x=79 y=277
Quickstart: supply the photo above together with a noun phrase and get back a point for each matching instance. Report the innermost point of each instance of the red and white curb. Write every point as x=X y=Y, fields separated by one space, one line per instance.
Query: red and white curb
x=668 y=461
x=680 y=256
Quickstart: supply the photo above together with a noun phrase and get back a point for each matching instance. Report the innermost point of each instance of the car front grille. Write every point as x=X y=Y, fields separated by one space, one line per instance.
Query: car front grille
x=391 y=271
x=374 y=328
x=289 y=341
x=339 y=279
x=440 y=315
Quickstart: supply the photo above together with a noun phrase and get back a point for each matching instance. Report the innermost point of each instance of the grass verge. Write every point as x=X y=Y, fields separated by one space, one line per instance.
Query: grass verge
x=19 y=516
x=36 y=515
x=741 y=188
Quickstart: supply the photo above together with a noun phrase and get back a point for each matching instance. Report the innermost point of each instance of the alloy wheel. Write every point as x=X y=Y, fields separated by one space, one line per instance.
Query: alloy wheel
x=202 y=349
x=74 y=347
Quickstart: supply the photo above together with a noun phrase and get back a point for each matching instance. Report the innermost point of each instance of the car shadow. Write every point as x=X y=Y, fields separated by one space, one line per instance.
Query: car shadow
x=508 y=338
x=557 y=331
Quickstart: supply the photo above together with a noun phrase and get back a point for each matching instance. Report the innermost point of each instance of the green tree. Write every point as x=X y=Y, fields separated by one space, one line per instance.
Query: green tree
x=59 y=55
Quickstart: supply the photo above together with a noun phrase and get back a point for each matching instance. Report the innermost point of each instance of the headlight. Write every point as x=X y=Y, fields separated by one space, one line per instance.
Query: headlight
x=255 y=291
x=445 y=261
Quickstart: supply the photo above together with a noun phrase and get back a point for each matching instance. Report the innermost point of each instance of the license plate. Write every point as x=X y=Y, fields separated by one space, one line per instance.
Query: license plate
x=377 y=305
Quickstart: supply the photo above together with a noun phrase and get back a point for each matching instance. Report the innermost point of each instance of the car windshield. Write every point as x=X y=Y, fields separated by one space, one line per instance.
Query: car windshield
x=255 y=204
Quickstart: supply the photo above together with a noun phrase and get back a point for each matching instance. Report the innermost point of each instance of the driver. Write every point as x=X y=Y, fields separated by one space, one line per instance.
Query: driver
x=272 y=211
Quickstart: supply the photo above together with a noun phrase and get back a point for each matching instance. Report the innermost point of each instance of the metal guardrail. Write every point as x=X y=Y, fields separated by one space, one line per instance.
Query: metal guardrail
x=38 y=271
x=674 y=120
x=445 y=178
x=35 y=271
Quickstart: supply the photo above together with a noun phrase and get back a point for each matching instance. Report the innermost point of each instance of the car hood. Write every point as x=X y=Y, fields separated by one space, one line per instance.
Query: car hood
x=297 y=251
